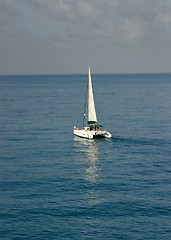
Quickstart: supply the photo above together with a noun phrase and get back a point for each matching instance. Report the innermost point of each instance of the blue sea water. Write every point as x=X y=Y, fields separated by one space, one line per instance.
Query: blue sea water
x=57 y=186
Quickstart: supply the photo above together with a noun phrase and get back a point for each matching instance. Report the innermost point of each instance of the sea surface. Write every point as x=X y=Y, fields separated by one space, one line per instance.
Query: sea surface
x=54 y=185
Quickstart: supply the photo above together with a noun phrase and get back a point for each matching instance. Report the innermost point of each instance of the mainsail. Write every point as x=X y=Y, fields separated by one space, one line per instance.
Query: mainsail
x=91 y=107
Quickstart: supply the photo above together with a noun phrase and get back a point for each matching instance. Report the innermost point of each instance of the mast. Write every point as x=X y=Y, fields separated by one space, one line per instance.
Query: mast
x=92 y=118
x=85 y=107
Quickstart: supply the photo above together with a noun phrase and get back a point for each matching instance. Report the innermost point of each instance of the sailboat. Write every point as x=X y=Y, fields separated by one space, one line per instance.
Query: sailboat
x=93 y=130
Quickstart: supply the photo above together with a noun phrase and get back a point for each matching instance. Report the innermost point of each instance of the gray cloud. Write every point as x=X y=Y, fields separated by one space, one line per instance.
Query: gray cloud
x=67 y=35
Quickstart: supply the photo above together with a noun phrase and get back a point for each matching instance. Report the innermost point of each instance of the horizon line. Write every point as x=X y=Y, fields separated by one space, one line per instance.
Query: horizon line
x=55 y=74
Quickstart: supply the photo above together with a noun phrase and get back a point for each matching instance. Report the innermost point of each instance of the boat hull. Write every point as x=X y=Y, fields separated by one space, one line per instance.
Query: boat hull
x=102 y=134
x=83 y=133
x=90 y=134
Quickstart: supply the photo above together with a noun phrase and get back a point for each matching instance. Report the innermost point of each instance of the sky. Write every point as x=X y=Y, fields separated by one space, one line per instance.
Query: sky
x=67 y=36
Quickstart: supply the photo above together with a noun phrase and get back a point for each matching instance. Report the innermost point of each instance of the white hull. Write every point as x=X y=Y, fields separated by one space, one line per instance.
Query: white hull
x=90 y=134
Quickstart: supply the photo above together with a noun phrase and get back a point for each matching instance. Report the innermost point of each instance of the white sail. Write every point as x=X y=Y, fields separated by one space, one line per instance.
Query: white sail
x=91 y=107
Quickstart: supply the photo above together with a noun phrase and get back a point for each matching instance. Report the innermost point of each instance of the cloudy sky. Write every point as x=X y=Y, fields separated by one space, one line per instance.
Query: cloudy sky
x=66 y=36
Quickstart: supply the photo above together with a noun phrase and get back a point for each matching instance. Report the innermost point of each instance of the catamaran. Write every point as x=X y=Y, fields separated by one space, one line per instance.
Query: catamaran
x=93 y=130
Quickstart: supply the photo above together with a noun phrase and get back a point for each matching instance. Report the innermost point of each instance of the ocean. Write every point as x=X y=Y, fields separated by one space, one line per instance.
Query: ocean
x=54 y=185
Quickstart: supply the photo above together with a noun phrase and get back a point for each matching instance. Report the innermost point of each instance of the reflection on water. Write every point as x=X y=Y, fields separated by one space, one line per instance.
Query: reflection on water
x=92 y=154
x=90 y=147
x=91 y=198
x=91 y=173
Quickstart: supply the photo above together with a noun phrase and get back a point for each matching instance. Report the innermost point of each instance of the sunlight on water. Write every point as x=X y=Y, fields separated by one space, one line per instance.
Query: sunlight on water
x=91 y=172
x=92 y=154
x=90 y=147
